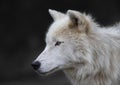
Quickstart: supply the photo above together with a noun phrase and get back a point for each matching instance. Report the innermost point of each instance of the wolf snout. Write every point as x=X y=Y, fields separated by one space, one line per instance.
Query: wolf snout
x=36 y=65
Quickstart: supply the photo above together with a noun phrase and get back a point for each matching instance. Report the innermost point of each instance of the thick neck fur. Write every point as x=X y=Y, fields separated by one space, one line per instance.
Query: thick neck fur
x=104 y=69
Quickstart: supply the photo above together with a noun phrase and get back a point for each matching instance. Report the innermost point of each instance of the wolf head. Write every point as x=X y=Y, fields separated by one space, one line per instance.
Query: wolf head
x=67 y=44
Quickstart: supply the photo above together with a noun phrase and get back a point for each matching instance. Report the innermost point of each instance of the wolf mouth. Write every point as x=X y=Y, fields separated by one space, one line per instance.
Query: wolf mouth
x=49 y=72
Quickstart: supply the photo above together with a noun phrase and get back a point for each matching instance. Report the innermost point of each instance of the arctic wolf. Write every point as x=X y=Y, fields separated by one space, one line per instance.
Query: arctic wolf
x=87 y=53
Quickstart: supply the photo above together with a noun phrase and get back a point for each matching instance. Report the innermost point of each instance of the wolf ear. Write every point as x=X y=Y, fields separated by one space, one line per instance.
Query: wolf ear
x=55 y=14
x=78 y=20
x=73 y=17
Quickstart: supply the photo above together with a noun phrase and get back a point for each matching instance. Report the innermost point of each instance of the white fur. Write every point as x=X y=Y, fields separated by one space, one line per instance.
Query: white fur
x=89 y=54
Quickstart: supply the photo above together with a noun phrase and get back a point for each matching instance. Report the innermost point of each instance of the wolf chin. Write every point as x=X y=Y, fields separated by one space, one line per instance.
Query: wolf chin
x=87 y=53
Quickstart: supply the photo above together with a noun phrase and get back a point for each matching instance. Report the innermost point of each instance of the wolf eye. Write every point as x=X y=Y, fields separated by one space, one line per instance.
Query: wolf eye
x=58 y=43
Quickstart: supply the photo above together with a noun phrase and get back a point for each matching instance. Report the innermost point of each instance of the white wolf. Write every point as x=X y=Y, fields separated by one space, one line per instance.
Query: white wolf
x=87 y=53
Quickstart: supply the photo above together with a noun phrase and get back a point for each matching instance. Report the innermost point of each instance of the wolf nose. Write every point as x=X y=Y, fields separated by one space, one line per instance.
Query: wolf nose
x=36 y=65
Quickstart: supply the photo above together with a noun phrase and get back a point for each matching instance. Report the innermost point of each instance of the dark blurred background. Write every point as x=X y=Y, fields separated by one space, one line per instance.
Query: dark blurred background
x=23 y=24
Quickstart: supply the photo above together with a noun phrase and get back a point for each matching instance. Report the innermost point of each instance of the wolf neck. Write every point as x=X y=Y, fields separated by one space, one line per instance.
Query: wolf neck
x=76 y=78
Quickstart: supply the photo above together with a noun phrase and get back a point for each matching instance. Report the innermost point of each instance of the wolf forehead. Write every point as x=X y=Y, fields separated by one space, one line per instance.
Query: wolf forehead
x=71 y=24
x=59 y=29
